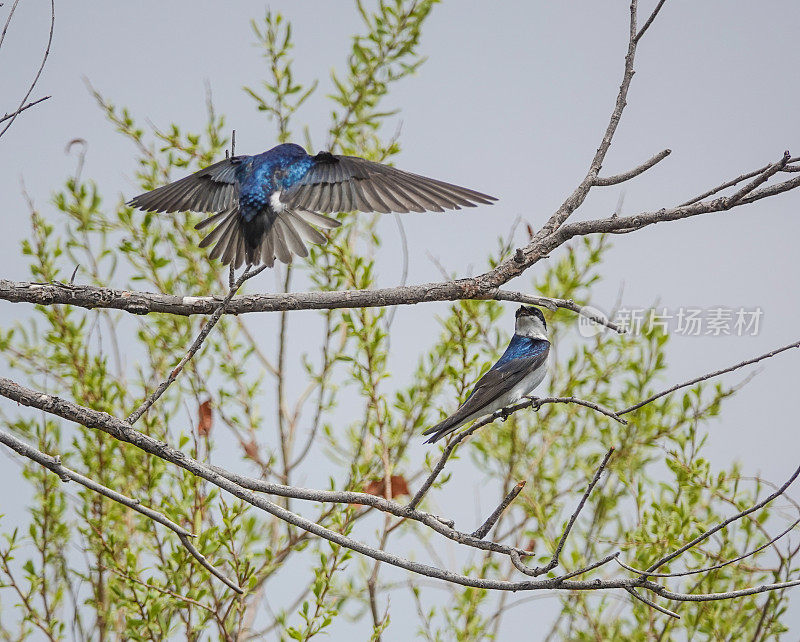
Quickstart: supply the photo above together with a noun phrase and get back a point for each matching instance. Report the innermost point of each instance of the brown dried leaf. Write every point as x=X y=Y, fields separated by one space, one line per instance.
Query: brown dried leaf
x=530 y=230
x=205 y=418
x=251 y=450
x=378 y=486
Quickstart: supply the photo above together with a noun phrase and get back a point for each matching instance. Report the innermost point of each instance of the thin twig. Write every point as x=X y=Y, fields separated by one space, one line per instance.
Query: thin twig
x=772 y=190
x=285 y=439
x=708 y=569
x=589 y=567
x=557 y=553
x=541 y=570
x=710 y=375
x=403 y=273
x=725 y=185
x=166 y=591
x=20 y=109
x=540 y=401
x=202 y=559
x=652 y=604
x=445 y=456
x=198 y=342
x=484 y=529
x=714 y=597
x=763 y=177
x=601 y=181
x=324 y=373
x=739 y=179
x=8 y=22
x=649 y=21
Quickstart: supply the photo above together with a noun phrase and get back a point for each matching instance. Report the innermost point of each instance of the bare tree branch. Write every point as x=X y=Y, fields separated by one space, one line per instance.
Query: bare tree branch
x=650 y=20
x=725 y=185
x=438 y=524
x=89 y=297
x=122 y=431
x=652 y=604
x=22 y=109
x=739 y=179
x=713 y=597
x=537 y=402
x=710 y=375
x=760 y=179
x=773 y=190
x=54 y=464
x=484 y=286
x=590 y=567
x=484 y=528
x=541 y=570
x=21 y=106
x=627 y=224
x=601 y=181
x=8 y=22
x=541 y=245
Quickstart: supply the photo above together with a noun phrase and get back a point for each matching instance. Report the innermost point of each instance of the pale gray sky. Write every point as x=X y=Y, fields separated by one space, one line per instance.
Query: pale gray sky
x=512 y=101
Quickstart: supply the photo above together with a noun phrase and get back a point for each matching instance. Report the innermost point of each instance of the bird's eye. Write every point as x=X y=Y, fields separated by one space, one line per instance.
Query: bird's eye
x=278 y=175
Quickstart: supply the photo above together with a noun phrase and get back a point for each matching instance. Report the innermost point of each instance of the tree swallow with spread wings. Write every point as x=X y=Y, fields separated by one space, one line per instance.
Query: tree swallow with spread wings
x=264 y=205
x=521 y=368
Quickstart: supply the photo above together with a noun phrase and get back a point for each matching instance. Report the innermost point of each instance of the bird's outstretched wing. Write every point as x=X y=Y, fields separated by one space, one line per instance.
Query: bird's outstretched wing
x=347 y=183
x=499 y=380
x=212 y=189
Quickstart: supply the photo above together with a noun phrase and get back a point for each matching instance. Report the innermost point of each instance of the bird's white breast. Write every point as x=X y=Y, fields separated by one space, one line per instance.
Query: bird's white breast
x=531 y=380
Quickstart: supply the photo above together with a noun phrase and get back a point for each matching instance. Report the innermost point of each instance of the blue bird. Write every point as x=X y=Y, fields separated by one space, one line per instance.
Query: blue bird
x=521 y=368
x=265 y=205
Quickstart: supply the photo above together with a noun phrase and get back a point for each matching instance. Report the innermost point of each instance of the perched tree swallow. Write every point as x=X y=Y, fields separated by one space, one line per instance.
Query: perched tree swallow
x=521 y=368
x=263 y=205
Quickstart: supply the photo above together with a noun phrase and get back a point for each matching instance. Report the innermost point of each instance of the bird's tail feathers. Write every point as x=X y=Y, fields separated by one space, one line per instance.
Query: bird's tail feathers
x=264 y=238
x=444 y=428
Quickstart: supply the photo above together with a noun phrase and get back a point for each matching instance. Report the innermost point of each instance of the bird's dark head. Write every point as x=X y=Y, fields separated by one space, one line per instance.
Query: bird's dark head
x=284 y=165
x=282 y=155
x=289 y=150
x=531 y=311
x=530 y=322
